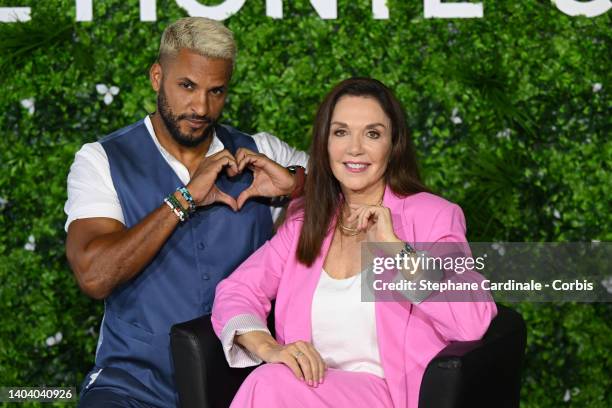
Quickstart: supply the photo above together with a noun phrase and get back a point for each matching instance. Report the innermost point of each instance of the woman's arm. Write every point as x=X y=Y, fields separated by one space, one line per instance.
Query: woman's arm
x=301 y=357
x=467 y=318
x=243 y=301
x=462 y=316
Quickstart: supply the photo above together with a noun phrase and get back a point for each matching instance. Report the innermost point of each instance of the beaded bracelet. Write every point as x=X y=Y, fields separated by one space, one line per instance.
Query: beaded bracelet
x=187 y=196
x=175 y=210
x=177 y=203
x=176 y=207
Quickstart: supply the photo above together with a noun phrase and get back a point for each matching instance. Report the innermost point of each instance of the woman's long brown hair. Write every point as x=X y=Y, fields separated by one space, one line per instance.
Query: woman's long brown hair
x=322 y=196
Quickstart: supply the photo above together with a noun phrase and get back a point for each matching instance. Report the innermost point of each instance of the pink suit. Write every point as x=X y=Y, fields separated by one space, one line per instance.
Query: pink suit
x=409 y=335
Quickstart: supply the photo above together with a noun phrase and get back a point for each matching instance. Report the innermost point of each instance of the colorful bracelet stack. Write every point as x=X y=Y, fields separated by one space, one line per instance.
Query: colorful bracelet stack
x=187 y=196
x=177 y=208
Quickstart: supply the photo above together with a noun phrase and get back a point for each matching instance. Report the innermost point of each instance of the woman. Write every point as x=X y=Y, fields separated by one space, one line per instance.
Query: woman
x=332 y=349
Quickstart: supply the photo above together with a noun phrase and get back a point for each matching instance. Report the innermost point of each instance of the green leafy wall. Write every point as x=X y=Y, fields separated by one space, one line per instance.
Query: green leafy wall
x=510 y=113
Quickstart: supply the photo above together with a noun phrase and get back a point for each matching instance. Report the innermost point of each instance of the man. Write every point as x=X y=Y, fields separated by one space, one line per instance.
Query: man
x=159 y=212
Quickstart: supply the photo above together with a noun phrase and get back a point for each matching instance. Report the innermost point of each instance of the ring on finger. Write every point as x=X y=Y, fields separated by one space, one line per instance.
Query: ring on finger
x=298 y=354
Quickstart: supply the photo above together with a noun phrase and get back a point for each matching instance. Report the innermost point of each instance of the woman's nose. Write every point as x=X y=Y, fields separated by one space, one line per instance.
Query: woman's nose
x=355 y=146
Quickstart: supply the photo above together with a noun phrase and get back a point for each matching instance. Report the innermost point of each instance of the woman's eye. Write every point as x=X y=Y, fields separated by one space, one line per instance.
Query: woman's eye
x=340 y=132
x=373 y=134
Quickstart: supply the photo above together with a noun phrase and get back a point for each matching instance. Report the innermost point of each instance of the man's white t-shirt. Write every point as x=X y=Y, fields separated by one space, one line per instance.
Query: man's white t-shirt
x=91 y=192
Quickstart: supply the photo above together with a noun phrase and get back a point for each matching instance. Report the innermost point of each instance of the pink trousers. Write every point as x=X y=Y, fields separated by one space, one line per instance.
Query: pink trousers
x=275 y=386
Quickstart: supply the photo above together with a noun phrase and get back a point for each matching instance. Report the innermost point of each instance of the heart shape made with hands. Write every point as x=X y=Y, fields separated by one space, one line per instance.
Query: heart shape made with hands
x=269 y=178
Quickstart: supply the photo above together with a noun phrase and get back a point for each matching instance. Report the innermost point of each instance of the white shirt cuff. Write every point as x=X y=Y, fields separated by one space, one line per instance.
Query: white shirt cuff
x=235 y=354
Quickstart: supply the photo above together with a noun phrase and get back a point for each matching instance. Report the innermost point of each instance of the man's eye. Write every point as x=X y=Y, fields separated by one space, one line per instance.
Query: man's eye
x=187 y=85
x=218 y=91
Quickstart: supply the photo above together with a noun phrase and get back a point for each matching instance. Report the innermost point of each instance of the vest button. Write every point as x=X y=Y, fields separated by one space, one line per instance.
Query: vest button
x=201 y=245
x=205 y=276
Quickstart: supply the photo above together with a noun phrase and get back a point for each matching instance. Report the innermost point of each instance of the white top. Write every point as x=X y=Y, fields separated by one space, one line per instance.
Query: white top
x=91 y=192
x=344 y=327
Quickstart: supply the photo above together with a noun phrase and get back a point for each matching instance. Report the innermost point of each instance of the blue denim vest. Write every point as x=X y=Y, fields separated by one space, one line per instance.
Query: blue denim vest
x=179 y=283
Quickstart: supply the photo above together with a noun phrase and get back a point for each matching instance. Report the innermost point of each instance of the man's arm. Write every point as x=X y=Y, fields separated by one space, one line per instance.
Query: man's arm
x=103 y=253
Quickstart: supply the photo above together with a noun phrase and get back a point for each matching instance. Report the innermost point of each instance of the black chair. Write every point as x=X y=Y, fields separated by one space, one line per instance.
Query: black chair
x=483 y=373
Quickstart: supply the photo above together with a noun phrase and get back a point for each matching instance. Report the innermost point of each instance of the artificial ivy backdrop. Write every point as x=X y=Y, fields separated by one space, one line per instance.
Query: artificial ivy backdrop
x=510 y=114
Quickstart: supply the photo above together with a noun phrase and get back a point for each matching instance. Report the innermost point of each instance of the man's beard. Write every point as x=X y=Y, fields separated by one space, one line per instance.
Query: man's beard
x=172 y=123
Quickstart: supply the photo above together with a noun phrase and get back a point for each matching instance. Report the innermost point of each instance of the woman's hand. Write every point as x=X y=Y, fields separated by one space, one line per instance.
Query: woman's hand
x=301 y=357
x=375 y=221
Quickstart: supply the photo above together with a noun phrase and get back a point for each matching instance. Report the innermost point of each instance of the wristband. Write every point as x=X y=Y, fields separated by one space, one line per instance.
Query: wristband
x=176 y=207
x=175 y=210
x=187 y=196
x=176 y=203
x=408 y=250
x=300 y=180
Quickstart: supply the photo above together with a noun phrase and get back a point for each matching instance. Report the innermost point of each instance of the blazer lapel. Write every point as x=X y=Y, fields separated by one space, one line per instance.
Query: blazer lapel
x=392 y=318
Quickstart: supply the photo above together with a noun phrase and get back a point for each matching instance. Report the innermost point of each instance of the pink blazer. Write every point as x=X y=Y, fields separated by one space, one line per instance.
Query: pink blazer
x=409 y=335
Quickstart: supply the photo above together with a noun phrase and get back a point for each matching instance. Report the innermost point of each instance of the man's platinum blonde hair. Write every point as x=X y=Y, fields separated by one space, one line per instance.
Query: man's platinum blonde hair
x=207 y=37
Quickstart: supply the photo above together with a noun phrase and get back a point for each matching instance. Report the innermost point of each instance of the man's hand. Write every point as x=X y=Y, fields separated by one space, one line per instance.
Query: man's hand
x=202 y=185
x=269 y=178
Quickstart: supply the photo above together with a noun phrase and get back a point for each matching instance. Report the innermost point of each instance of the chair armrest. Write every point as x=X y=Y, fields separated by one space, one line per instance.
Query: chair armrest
x=200 y=366
x=480 y=373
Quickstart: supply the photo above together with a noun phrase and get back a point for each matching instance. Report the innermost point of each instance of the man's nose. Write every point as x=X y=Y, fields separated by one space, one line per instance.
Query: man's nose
x=200 y=103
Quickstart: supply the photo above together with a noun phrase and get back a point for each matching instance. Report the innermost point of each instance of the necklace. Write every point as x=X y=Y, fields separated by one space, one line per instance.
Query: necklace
x=351 y=232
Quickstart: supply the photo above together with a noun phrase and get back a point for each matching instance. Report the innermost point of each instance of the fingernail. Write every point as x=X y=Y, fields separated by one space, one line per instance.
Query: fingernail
x=310 y=382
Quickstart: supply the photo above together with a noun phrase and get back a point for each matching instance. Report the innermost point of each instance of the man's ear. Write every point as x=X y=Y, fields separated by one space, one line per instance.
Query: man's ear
x=155 y=76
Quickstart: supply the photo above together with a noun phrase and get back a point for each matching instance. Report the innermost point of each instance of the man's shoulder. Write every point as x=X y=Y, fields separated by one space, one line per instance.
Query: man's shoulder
x=137 y=126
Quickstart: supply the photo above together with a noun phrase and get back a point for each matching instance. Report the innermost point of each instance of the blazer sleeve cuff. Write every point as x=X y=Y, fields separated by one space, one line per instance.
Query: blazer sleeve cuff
x=236 y=355
x=417 y=296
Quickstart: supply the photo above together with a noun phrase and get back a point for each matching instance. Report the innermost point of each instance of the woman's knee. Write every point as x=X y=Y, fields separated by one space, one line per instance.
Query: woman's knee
x=272 y=374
